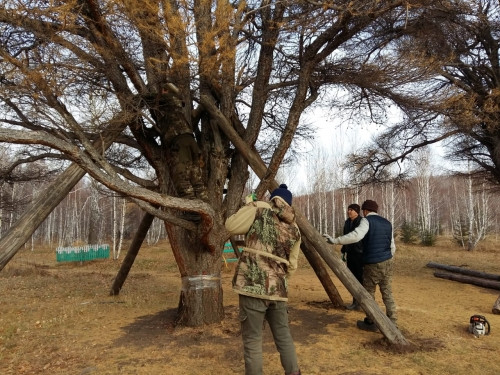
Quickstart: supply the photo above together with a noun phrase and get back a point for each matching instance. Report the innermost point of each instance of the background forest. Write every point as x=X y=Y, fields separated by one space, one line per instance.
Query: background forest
x=422 y=208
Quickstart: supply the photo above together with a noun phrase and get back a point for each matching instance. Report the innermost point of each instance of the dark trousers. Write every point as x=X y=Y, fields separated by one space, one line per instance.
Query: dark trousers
x=355 y=265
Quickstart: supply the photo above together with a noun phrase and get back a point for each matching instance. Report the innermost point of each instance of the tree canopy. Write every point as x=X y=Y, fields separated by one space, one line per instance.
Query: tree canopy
x=126 y=75
x=455 y=48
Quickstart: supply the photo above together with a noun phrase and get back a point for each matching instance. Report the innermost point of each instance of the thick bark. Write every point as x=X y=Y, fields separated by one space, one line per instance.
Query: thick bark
x=133 y=250
x=201 y=295
x=464 y=271
x=469 y=280
x=200 y=301
x=317 y=264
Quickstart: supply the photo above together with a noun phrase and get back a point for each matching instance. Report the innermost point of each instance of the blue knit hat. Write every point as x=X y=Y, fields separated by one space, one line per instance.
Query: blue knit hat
x=283 y=193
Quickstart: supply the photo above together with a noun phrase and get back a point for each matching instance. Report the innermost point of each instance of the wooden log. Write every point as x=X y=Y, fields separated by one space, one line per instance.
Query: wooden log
x=132 y=252
x=316 y=263
x=469 y=280
x=464 y=271
x=236 y=245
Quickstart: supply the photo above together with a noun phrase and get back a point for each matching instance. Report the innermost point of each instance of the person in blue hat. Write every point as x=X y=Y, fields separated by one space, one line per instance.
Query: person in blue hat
x=269 y=257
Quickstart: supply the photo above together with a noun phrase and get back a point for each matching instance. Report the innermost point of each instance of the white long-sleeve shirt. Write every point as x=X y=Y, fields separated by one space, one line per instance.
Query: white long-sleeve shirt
x=359 y=233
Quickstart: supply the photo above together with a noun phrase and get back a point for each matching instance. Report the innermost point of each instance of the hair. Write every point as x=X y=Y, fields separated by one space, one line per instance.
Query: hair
x=283 y=193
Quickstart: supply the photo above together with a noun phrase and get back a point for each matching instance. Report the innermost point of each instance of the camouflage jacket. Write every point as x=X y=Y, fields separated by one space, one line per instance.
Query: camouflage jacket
x=272 y=243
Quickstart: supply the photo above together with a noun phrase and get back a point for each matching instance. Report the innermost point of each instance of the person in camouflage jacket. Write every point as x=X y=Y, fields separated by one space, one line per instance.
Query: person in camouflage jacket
x=269 y=257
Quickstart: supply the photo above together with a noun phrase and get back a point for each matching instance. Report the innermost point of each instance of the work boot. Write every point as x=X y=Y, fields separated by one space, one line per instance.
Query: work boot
x=367 y=325
x=354 y=306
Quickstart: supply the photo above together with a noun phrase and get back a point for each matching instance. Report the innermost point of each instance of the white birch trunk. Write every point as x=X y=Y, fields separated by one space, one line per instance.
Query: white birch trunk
x=122 y=227
x=11 y=221
x=424 y=197
x=115 y=227
x=456 y=220
x=470 y=215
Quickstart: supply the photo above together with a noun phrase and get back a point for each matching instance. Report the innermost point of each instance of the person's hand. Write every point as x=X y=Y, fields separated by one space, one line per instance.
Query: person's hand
x=250 y=198
x=329 y=238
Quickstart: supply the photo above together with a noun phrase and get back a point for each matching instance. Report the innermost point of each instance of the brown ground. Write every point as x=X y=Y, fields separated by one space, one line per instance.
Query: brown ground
x=59 y=319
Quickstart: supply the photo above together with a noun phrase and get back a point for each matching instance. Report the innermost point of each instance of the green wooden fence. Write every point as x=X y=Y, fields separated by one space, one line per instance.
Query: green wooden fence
x=82 y=253
x=228 y=249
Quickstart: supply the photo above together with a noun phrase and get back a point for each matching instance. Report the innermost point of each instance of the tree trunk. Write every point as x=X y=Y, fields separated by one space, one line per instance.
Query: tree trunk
x=235 y=244
x=122 y=228
x=133 y=250
x=464 y=271
x=94 y=222
x=469 y=280
x=201 y=294
x=200 y=301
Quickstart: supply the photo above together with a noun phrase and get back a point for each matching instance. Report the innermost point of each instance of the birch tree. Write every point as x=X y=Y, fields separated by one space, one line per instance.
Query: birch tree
x=122 y=229
x=471 y=217
x=426 y=210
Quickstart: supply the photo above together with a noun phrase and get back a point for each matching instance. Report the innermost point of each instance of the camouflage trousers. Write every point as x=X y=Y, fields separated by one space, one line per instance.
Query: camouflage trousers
x=381 y=274
x=253 y=311
x=188 y=181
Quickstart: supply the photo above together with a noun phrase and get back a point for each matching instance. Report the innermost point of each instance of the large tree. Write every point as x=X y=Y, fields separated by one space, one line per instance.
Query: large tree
x=107 y=84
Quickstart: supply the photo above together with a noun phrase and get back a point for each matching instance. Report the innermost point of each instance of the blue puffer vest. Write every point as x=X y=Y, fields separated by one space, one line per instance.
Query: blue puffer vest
x=377 y=242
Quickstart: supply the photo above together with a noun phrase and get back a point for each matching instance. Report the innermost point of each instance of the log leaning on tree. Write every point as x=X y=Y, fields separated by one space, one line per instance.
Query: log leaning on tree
x=464 y=271
x=485 y=283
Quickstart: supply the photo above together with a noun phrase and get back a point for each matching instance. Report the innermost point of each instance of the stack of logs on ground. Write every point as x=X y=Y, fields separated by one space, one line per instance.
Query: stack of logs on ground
x=468 y=276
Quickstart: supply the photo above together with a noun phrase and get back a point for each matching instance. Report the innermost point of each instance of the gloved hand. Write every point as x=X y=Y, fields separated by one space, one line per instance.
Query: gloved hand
x=250 y=198
x=329 y=238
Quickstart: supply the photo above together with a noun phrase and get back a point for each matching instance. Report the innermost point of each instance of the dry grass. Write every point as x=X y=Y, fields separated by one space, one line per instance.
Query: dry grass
x=58 y=319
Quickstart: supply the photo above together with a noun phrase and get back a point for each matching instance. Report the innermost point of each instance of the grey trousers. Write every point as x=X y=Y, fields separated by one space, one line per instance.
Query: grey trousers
x=253 y=311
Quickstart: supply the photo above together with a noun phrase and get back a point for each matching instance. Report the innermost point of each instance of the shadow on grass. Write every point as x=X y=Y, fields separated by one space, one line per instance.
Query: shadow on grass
x=160 y=328
x=306 y=324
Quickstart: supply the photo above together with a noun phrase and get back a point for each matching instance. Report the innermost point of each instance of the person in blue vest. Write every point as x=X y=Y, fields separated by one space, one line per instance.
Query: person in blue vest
x=378 y=252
